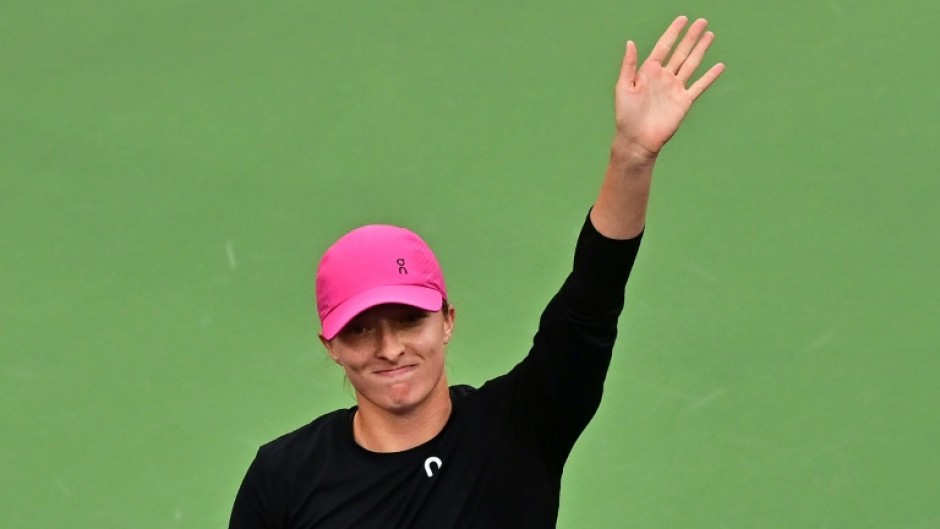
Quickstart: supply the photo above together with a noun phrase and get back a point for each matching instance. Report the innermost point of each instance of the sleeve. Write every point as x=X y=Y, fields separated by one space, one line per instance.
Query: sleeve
x=254 y=506
x=560 y=382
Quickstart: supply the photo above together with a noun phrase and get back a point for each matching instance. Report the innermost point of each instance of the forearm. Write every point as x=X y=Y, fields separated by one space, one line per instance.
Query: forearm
x=620 y=209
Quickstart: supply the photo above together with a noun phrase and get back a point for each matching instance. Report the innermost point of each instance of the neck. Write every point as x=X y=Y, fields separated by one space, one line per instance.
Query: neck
x=380 y=430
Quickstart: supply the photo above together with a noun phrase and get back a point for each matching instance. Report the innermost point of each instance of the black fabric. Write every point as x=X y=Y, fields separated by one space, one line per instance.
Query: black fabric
x=501 y=453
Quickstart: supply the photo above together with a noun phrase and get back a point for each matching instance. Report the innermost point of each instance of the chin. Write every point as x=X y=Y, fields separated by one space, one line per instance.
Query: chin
x=404 y=403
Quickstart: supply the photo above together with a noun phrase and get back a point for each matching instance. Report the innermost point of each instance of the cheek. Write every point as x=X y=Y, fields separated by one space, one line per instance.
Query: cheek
x=353 y=366
x=352 y=360
x=435 y=351
x=357 y=377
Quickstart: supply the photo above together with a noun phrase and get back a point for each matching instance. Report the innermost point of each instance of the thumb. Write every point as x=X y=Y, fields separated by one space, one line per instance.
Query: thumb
x=628 y=67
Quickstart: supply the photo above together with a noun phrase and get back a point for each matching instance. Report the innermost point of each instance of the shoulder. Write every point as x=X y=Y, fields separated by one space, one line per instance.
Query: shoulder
x=461 y=391
x=493 y=394
x=306 y=440
x=471 y=400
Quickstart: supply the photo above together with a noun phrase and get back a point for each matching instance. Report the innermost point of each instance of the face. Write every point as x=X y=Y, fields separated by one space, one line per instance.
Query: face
x=394 y=355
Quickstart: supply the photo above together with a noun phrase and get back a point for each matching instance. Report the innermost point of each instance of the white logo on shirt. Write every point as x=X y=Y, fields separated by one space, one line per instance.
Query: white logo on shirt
x=432 y=461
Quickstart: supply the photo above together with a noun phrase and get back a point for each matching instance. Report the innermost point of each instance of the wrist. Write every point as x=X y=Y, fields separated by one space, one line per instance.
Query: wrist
x=630 y=157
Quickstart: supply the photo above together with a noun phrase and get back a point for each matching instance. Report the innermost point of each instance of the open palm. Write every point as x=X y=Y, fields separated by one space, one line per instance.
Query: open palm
x=651 y=101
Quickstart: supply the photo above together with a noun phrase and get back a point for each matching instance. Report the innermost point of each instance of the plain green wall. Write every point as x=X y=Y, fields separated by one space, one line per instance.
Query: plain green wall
x=171 y=171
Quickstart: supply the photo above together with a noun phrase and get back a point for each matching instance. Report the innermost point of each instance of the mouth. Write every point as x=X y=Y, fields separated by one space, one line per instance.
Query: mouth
x=396 y=371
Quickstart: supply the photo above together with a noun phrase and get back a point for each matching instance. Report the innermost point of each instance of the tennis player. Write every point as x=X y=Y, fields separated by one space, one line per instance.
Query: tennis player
x=418 y=453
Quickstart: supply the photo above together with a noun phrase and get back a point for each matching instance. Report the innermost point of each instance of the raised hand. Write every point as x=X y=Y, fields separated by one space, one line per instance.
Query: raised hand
x=651 y=101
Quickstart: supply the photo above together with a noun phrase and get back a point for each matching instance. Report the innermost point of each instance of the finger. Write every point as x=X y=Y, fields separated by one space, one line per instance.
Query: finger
x=628 y=68
x=695 y=57
x=661 y=50
x=698 y=87
x=681 y=52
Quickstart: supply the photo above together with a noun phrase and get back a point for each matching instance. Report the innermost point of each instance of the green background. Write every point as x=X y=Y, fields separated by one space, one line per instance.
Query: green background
x=171 y=171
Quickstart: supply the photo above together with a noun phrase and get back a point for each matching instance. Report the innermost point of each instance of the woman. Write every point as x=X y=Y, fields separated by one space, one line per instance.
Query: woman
x=418 y=453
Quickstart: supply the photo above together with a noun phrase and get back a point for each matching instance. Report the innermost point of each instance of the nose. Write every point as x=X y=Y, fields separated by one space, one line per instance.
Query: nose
x=390 y=343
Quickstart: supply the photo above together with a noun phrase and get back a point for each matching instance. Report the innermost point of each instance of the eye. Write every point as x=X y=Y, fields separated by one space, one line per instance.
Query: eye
x=412 y=317
x=353 y=329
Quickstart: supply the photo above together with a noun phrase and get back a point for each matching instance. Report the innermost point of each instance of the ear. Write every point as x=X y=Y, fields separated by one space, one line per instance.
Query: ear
x=328 y=345
x=449 y=317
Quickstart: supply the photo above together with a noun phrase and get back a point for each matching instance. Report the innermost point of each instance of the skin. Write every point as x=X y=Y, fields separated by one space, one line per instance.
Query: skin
x=402 y=409
x=394 y=357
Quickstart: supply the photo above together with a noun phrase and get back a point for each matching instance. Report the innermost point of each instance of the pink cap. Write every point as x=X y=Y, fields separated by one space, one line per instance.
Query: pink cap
x=374 y=265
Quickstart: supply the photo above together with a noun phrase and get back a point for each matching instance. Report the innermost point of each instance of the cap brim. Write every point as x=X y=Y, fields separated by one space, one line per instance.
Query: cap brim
x=417 y=296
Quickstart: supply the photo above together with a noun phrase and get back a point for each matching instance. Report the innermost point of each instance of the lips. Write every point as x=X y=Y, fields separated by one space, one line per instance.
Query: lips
x=397 y=371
